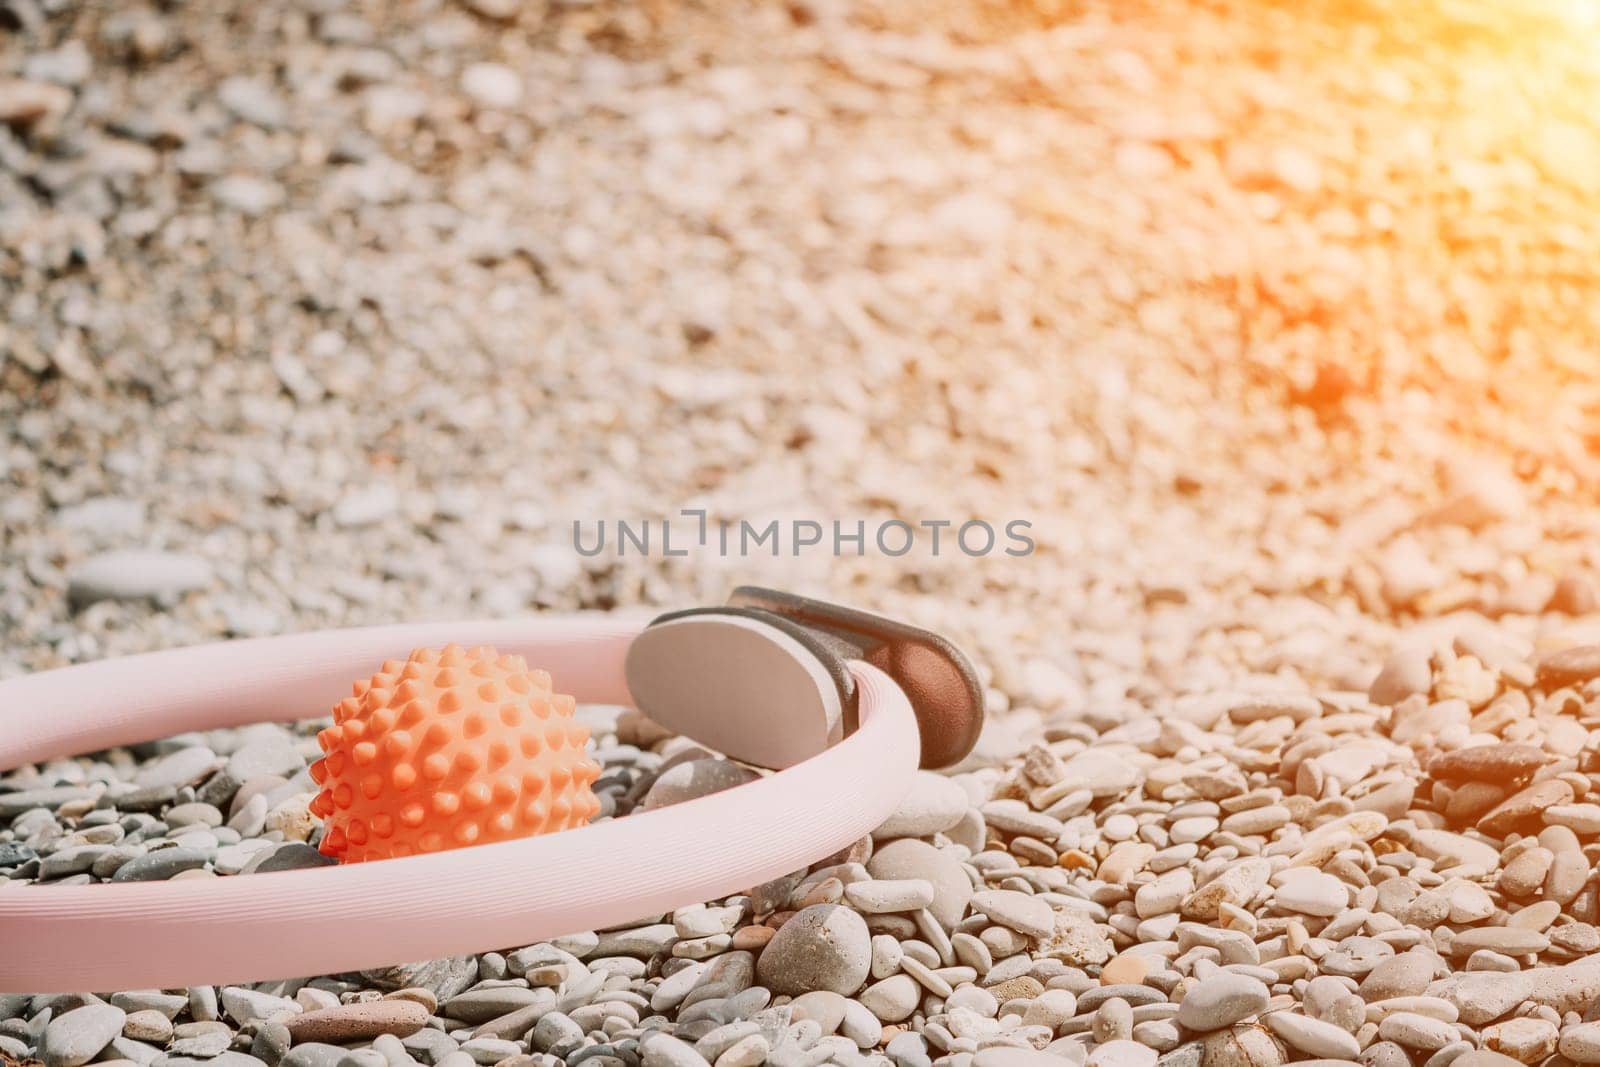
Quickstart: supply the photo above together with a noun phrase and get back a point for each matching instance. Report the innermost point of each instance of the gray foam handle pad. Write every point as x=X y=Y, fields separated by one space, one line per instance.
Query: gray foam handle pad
x=737 y=685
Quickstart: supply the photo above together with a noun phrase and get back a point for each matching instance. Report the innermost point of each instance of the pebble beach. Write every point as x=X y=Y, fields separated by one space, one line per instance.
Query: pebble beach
x=1276 y=323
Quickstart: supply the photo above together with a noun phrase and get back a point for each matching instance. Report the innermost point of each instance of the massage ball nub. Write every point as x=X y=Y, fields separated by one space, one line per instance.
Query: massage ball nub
x=450 y=748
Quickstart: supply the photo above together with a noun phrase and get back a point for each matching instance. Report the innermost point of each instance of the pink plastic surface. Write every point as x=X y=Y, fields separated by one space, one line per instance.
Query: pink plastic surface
x=292 y=923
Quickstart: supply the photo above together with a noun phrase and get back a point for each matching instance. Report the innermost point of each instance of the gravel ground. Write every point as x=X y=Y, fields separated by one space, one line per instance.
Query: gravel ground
x=1275 y=321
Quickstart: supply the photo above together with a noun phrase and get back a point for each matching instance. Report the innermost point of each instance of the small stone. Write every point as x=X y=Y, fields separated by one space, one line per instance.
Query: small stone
x=292 y=818
x=822 y=1007
x=15 y=854
x=748 y=1051
x=861 y=1026
x=1525 y=874
x=1482 y=997
x=932 y=805
x=1019 y=911
x=1118 y=1053
x=1077 y=940
x=1536 y=916
x=1411 y=1030
x=1238 y=884
x=485 y=1003
x=247 y=194
x=192 y=814
x=1022 y=987
x=104 y=517
x=1355 y=956
x=908 y=858
x=556 y=1034
x=492 y=85
x=1313 y=893
x=1113 y=1021
x=883 y=896
x=1348 y=1013
x=246 y=1005
x=161 y=864
x=371 y=1057
x=291 y=856
x=1484 y=1058
x=233 y=859
x=271 y=1042
x=147 y=1025
x=1011 y=1056
x=693 y=779
x=1406 y=673
x=1497 y=763
x=203 y=1005
x=752 y=938
x=13 y=804
x=1526 y=1040
x=729 y=975
x=203 y=1045
x=314 y=1054
x=1448 y=850
x=444 y=978
x=1051 y=1008
x=1505 y=939
x=1313 y=1036
x=227 y=1058
x=664 y=1050
x=1577 y=938
x=1162 y=1035
x=1222 y=999
x=69 y=861
x=1257 y=821
x=429 y=1045
x=25 y=103
x=139 y=1000
x=1579 y=818
x=365 y=506
x=1581 y=1043
x=501 y=10
x=253 y=101
x=1126 y=969
x=1013 y=817
x=1406 y=974
x=75 y=1037
x=1385 y=1054
x=183 y=767
x=908 y=1049
x=824 y=947
x=359 y=1021
x=892 y=999
x=1573 y=595
x=1484 y=490
x=1468 y=902
x=1239 y=1046
x=1572 y=666
x=136 y=574
x=268 y=754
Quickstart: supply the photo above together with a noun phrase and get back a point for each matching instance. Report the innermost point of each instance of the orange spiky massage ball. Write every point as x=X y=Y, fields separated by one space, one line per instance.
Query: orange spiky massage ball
x=450 y=748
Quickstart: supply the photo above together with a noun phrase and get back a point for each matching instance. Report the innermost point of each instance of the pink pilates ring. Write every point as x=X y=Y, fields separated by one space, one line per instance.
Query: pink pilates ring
x=771 y=679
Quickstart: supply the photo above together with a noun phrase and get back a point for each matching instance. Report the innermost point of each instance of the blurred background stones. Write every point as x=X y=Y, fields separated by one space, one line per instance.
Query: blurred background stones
x=333 y=312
